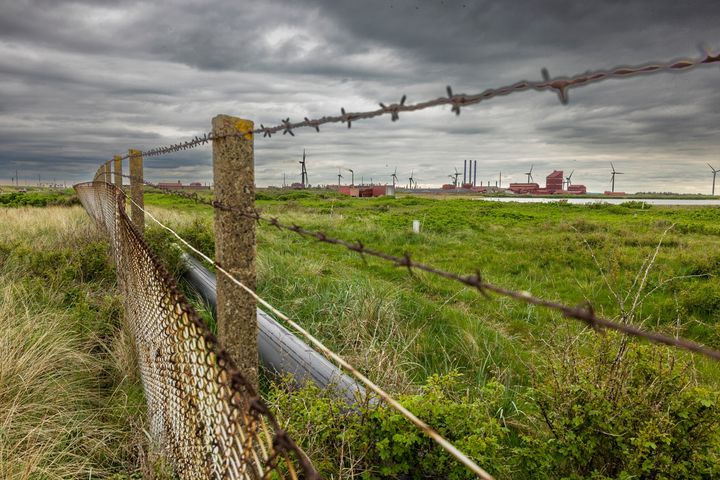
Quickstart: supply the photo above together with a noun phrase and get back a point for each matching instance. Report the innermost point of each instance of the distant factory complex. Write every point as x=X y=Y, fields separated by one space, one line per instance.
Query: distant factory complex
x=556 y=183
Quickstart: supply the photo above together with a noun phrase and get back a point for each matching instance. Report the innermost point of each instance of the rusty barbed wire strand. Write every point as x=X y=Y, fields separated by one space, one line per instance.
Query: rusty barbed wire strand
x=585 y=314
x=560 y=85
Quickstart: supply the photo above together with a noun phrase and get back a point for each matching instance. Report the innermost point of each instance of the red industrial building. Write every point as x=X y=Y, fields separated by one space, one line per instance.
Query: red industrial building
x=465 y=186
x=553 y=186
x=368 y=191
x=179 y=186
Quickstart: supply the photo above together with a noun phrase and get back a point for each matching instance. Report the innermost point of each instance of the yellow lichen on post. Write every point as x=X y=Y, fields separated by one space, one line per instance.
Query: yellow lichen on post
x=245 y=126
x=234 y=179
x=136 y=189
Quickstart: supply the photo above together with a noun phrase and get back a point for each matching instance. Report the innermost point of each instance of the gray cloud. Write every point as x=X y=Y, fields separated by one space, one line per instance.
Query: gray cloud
x=81 y=81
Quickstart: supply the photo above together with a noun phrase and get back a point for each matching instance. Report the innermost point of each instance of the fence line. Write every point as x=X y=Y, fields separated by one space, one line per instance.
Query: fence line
x=585 y=313
x=560 y=85
x=203 y=412
x=439 y=439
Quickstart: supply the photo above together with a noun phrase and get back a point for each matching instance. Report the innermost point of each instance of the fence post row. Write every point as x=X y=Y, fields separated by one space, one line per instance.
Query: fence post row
x=137 y=214
x=234 y=183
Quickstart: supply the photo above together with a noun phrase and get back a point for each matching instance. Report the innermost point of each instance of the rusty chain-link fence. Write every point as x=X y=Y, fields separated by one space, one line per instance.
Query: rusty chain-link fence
x=207 y=419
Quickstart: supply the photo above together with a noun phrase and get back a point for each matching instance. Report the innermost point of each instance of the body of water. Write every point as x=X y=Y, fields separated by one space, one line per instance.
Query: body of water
x=612 y=201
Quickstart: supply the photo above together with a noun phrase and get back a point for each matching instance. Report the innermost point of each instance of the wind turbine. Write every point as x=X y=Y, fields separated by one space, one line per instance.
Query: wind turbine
x=715 y=171
x=567 y=180
x=612 y=189
x=339 y=177
x=529 y=174
x=303 y=172
x=455 y=177
x=413 y=184
x=394 y=177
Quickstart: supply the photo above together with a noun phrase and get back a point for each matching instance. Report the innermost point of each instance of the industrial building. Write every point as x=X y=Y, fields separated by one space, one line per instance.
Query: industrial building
x=179 y=186
x=554 y=185
x=367 y=191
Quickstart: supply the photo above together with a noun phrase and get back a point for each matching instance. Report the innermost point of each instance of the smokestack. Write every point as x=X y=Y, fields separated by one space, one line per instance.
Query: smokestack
x=464 y=171
x=475 y=177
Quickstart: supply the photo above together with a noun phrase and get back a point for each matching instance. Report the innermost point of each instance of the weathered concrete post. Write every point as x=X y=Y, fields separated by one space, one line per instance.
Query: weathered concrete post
x=117 y=167
x=234 y=178
x=137 y=215
x=106 y=172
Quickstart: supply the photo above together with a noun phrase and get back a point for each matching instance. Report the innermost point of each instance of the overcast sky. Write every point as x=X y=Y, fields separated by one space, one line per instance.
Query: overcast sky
x=81 y=81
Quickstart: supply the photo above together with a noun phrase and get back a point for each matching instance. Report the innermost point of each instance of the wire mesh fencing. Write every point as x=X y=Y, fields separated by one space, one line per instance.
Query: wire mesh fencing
x=206 y=418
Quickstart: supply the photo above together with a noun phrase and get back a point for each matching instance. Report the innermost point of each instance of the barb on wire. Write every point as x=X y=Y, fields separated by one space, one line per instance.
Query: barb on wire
x=559 y=85
x=585 y=314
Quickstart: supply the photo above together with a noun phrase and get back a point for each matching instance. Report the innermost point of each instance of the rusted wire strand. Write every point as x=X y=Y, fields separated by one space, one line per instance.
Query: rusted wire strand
x=560 y=85
x=584 y=313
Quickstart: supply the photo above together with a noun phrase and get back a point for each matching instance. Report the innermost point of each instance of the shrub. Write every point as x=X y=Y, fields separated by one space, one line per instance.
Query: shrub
x=636 y=204
x=623 y=410
x=375 y=442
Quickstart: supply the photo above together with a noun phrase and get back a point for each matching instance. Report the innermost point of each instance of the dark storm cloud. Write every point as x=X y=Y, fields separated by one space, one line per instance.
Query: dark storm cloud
x=80 y=81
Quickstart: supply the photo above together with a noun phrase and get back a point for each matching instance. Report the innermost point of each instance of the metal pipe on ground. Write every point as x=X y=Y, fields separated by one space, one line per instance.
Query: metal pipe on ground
x=279 y=350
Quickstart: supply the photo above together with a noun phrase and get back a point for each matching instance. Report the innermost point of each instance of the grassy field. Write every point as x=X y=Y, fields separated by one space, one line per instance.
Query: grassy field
x=653 y=266
x=657 y=267
x=71 y=405
x=524 y=391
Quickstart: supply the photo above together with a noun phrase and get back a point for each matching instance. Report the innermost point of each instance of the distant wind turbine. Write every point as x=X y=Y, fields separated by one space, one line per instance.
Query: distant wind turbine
x=394 y=177
x=715 y=171
x=413 y=184
x=529 y=174
x=612 y=189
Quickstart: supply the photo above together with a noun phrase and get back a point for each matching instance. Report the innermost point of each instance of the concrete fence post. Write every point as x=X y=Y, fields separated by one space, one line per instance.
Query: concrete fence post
x=106 y=172
x=117 y=168
x=234 y=182
x=137 y=215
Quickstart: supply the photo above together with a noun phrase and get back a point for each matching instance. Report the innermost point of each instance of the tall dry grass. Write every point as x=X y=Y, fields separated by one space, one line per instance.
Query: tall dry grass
x=70 y=402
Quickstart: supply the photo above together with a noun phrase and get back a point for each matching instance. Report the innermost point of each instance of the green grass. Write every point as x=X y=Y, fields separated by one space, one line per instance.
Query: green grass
x=657 y=267
x=38 y=197
x=564 y=252
x=71 y=405
x=525 y=391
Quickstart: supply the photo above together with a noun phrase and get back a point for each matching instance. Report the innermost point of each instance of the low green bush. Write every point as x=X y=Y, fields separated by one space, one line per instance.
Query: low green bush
x=622 y=410
x=376 y=442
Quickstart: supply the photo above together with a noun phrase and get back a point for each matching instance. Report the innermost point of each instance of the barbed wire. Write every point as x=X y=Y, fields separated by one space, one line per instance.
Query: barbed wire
x=584 y=313
x=560 y=85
